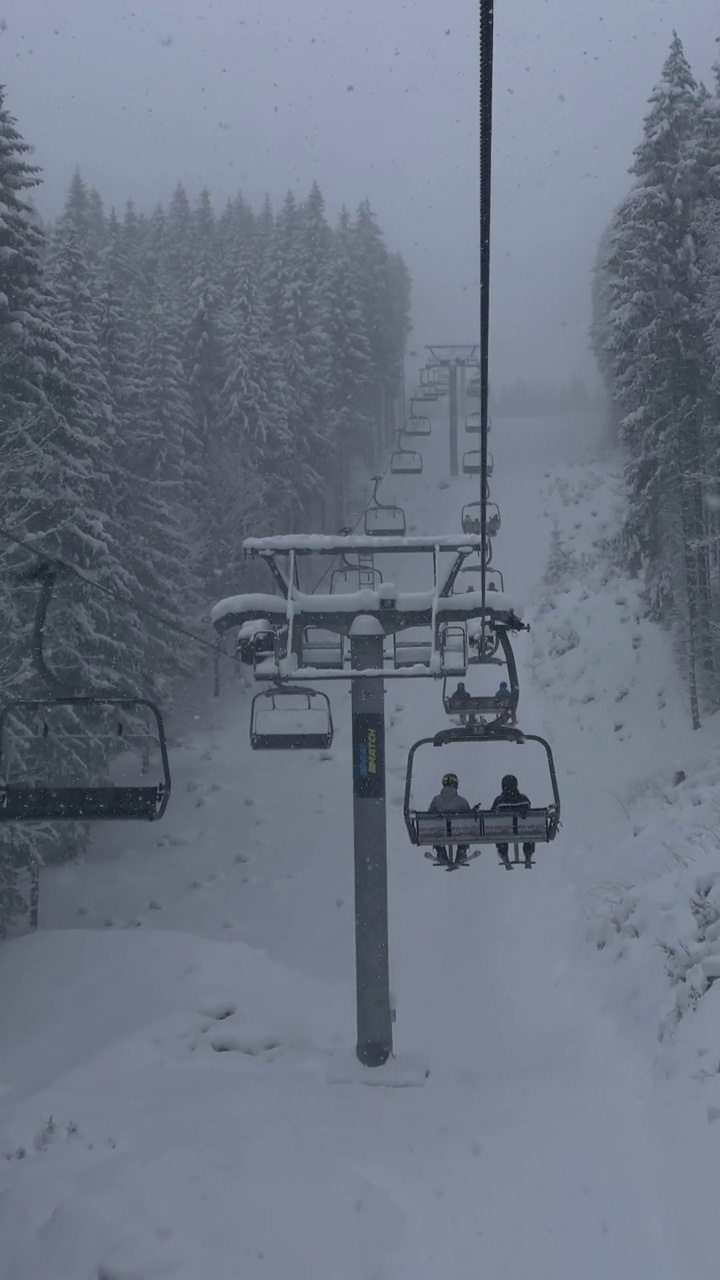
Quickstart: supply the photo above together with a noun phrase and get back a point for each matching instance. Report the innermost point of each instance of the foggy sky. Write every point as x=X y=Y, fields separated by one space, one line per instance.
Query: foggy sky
x=373 y=98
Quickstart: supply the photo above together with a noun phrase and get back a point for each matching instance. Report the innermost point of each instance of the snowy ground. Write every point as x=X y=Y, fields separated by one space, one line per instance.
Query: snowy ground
x=167 y=1039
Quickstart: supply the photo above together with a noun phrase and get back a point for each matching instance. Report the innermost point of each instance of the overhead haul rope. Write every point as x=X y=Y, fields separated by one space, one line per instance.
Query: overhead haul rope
x=486 y=20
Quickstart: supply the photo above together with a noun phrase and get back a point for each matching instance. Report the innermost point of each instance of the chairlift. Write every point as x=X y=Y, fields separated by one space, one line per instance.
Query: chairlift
x=472 y=388
x=510 y=824
x=458 y=702
x=289 y=718
x=483 y=645
x=58 y=757
x=417 y=426
x=384 y=520
x=453 y=649
x=472 y=424
x=406 y=462
x=494 y=578
x=255 y=639
x=471 y=463
x=412 y=647
x=350 y=579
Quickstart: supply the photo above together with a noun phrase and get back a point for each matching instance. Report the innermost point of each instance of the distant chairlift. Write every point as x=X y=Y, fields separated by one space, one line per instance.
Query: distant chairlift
x=405 y=462
x=471 y=518
x=472 y=424
x=472 y=463
x=472 y=389
x=291 y=719
x=458 y=702
x=416 y=425
x=384 y=520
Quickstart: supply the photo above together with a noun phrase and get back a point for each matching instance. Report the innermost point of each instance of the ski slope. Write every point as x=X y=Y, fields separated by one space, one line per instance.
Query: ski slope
x=169 y=1037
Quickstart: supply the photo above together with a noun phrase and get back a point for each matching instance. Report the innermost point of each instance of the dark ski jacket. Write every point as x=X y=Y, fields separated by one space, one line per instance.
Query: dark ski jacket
x=510 y=797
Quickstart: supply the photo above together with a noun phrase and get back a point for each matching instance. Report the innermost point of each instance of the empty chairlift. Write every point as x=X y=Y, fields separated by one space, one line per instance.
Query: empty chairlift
x=291 y=719
x=406 y=462
x=417 y=425
x=383 y=520
x=83 y=758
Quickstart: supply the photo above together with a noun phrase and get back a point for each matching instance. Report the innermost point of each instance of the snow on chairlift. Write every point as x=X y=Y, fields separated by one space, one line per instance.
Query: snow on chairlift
x=453 y=649
x=384 y=522
x=255 y=639
x=412 y=647
x=471 y=514
x=406 y=462
x=289 y=718
x=483 y=644
x=417 y=425
x=322 y=649
x=511 y=824
x=83 y=758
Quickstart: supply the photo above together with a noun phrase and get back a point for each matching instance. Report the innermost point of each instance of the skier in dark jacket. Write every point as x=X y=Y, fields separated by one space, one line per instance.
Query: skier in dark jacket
x=460 y=699
x=503 y=699
x=448 y=801
x=512 y=800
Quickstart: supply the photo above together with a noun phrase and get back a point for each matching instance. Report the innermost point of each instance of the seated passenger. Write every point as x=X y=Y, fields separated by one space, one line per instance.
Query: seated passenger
x=448 y=801
x=512 y=800
x=503 y=698
x=460 y=699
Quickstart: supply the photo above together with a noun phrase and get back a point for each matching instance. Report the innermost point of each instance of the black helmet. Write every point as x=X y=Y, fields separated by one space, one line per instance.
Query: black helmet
x=509 y=782
x=503 y=685
x=450 y=780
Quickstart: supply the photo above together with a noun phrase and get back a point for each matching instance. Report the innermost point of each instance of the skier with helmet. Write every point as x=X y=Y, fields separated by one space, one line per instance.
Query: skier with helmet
x=511 y=800
x=449 y=801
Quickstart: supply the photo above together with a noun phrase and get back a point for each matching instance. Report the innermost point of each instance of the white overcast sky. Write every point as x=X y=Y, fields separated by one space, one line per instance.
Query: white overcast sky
x=373 y=98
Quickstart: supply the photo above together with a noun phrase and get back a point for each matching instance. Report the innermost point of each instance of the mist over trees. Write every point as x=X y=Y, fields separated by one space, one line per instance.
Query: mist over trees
x=656 y=336
x=170 y=382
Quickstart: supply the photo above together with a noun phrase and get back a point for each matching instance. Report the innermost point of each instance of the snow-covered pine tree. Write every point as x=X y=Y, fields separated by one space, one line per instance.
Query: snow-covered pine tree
x=350 y=369
x=650 y=344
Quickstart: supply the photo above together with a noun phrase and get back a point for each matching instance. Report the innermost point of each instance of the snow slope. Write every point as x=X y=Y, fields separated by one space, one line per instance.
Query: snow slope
x=168 y=1038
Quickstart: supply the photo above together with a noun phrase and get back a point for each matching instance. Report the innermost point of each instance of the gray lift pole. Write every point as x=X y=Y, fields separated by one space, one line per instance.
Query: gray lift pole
x=453 y=405
x=372 y=977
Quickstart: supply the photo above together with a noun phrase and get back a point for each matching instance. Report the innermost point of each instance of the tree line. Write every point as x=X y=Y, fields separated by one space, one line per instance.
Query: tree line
x=171 y=382
x=656 y=337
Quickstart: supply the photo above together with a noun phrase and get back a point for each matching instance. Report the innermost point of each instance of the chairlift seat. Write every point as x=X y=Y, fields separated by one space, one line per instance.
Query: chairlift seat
x=471 y=463
x=385 y=522
x=81 y=804
x=322 y=649
x=472 y=424
x=483 y=827
x=417 y=425
x=406 y=462
x=291 y=719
